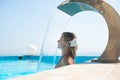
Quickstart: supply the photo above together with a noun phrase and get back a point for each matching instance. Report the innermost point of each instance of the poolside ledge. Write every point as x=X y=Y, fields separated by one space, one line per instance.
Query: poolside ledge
x=85 y=71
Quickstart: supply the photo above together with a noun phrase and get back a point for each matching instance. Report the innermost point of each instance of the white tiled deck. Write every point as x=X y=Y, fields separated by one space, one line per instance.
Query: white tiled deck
x=86 y=71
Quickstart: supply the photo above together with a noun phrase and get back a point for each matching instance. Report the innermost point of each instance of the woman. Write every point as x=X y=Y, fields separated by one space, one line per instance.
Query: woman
x=68 y=45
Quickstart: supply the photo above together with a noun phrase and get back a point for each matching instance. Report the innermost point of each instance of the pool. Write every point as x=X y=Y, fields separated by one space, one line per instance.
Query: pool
x=13 y=66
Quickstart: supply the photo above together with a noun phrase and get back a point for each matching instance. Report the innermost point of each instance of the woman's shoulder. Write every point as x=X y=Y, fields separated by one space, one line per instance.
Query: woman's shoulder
x=70 y=60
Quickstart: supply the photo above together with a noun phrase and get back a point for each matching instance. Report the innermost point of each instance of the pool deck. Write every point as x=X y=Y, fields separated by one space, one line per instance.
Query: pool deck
x=84 y=71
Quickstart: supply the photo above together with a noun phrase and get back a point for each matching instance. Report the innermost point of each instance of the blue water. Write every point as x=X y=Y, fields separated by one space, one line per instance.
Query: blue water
x=13 y=67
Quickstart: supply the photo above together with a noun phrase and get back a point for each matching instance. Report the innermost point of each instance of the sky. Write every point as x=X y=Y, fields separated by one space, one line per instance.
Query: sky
x=32 y=22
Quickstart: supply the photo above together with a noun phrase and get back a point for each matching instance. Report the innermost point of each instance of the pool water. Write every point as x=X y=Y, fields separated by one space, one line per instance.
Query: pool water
x=14 y=68
x=10 y=68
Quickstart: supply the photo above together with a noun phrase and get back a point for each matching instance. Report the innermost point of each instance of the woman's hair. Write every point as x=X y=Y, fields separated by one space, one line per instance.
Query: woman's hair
x=69 y=36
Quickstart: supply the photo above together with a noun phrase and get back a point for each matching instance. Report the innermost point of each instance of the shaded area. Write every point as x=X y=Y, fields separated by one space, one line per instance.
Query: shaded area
x=72 y=8
x=45 y=59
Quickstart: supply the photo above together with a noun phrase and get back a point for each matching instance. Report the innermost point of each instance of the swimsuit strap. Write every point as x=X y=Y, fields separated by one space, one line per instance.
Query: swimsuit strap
x=61 y=58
